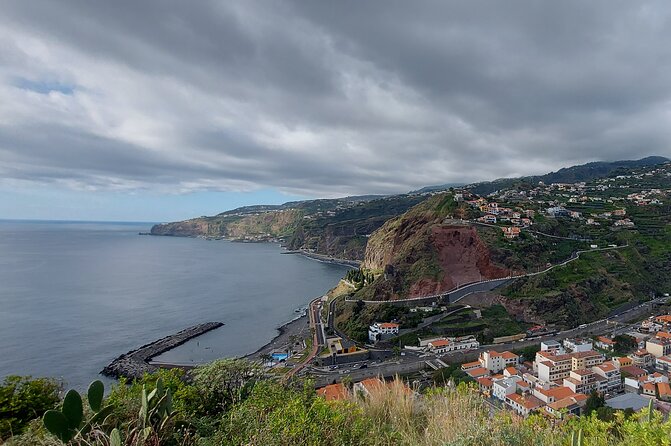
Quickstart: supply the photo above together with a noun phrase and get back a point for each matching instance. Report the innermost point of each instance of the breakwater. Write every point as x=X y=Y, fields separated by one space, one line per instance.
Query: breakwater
x=135 y=363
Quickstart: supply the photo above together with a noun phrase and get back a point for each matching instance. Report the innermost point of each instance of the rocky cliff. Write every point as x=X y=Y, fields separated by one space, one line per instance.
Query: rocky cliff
x=263 y=225
x=339 y=228
x=424 y=252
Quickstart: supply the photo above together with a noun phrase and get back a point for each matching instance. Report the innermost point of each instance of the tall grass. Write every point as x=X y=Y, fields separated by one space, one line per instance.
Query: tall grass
x=446 y=416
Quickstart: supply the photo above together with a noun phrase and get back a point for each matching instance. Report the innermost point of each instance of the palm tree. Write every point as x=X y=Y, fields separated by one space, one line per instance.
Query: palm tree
x=267 y=358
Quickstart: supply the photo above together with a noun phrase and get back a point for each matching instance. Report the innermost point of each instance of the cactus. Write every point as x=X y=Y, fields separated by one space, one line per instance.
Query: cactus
x=576 y=438
x=68 y=422
x=155 y=412
x=95 y=393
x=115 y=438
x=57 y=424
x=651 y=411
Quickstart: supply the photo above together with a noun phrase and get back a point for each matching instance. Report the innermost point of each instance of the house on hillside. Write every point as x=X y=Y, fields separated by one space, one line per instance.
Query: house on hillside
x=382 y=330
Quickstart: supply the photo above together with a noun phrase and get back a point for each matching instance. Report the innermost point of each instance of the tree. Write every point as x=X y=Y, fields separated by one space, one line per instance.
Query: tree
x=624 y=344
x=358 y=306
x=594 y=402
x=23 y=398
x=529 y=353
x=223 y=383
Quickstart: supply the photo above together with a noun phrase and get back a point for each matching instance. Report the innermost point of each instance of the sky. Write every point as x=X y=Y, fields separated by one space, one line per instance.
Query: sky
x=163 y=110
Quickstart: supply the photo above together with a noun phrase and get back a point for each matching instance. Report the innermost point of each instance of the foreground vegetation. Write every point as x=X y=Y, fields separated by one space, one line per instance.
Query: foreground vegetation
x=227 y=403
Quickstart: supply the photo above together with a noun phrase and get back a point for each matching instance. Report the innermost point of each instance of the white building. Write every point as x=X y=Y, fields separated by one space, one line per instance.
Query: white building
x=505 y=386
x=552 y=346
x=382 y=330
x=442 y=346
x=578 y=345
x=495 y=362
x=524 y=404
x=611 y=373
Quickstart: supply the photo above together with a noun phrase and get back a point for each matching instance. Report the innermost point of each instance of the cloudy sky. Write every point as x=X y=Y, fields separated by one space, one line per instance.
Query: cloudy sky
x=159 y=110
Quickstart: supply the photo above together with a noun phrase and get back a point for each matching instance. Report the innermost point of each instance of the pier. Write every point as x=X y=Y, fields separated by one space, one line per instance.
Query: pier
x=135 y=363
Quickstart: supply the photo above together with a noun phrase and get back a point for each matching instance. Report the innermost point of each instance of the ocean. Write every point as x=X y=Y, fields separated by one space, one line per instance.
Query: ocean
x=75 y=295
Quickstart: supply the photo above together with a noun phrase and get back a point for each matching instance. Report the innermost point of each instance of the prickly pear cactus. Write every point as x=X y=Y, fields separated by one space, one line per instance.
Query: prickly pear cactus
x=69 y=422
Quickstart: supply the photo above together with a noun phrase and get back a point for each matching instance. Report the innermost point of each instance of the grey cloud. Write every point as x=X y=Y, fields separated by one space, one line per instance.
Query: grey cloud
x=329 y=98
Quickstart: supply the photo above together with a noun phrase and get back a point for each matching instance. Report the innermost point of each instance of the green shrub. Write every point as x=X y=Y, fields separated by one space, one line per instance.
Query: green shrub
x=22 y=399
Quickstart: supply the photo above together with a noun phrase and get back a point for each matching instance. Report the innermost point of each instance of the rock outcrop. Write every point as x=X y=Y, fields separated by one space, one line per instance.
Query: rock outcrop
x=135 y=363
x=427 y=252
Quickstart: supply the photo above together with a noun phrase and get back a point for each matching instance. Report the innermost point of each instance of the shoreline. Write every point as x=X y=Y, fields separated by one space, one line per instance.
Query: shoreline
x=294 y=327
x=326 y=258
x=298 y=326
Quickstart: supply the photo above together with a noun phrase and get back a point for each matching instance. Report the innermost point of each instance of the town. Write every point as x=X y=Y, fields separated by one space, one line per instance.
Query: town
x=560 y=379
x=618 y=362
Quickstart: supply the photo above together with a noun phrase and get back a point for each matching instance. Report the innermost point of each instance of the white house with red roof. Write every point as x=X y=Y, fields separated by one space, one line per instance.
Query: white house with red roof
x=382 y=330
x=495 y=362
x=442 y=346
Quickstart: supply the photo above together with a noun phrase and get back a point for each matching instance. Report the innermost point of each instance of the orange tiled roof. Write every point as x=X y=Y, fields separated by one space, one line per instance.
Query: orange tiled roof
x=480 y=371
x=528 y=402
x=650 y=387
x=388 y=325
x=372 y=383
x=664 y=389
x=664 y=318
x=633 y=370
x=624 y=360
x=439 y=343
x=664 y=334
x=558 y=393
x=509 y=355
x=470 y=365
x=485 y=381
x=607 y=366
x=605 y=340
x=333 y=392
x=511 y=370
x=563 y=403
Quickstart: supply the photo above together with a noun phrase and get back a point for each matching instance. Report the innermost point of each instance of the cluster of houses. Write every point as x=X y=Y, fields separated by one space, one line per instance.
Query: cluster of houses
x=562 y=376
x=645 y=198
x=558 y=382
x=498 y=214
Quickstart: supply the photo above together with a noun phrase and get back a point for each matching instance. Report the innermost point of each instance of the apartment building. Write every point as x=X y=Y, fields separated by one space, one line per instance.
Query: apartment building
x=552 y=367
x=611 y=373
x=495 y=362
x=586 y=359
x=581 y=381
x=658 y=347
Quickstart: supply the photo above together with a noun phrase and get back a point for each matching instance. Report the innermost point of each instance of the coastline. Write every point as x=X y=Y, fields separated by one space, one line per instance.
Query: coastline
x=310 y=255
x=326 y=258
x=298 y=326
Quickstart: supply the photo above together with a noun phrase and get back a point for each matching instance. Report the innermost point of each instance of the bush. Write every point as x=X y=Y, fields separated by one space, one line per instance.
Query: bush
x=22 y=399
x=278 y=415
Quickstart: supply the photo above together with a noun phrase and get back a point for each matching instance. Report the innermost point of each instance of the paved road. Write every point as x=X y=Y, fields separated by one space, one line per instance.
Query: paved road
x=315 y=323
